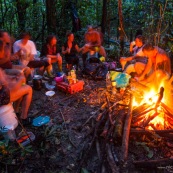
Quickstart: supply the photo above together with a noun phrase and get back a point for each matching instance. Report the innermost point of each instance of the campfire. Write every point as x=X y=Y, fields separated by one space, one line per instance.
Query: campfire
x=141 y=111
x=151 y=112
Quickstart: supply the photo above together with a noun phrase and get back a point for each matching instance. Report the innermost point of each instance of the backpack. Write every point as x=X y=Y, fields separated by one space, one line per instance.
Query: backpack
x=95 y=69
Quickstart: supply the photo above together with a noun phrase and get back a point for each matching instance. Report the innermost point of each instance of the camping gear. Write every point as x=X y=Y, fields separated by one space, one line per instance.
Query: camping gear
x=71 y=88
x=37 y=82
x=8 y=121
x=95 y=68
x=25 y=139
x=41 y=120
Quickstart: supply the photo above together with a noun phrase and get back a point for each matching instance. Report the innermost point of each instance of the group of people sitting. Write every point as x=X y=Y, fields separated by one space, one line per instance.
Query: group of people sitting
x=13 y=77
x=149 y=65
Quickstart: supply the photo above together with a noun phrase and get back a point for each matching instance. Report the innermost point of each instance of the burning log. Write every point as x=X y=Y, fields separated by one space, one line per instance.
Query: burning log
x=149 y=119
x=141 y=115
x=168 y=110
x=140 y=109
x=160 y=97
x=126 y=132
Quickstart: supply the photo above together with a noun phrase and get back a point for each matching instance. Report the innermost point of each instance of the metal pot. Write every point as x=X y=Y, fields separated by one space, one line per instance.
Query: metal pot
x=37 y=82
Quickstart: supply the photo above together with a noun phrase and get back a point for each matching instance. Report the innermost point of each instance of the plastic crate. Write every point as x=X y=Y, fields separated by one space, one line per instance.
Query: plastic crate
x=71 y=88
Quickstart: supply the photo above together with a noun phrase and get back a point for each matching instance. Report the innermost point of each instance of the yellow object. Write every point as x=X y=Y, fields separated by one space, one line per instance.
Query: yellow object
x=113 y=83
x=102 y=59
x=97 y=49
x=114 y=74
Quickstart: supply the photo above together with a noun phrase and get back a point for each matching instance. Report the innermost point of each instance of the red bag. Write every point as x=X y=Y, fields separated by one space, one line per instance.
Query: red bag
x=71 y=88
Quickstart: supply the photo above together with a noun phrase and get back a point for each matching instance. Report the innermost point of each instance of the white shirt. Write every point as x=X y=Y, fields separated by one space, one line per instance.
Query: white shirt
x=138 y=51
x=26 y=50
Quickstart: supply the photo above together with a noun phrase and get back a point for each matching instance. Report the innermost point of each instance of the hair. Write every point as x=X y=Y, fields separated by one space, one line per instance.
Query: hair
x=49 y=38
x=25 y=34
x=68 y=33
x=141 y=38
x=3 y=80
x=2 y=33
x=148 y=47
x=1 y=45
x=138 y=32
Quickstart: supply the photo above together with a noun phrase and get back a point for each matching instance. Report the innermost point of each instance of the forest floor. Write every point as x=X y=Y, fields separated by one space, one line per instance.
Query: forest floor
x=65 y=144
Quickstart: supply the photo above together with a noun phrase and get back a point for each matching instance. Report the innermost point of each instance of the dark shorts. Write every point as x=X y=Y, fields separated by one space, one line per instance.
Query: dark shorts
x=72 y=60
x=7 y=65
x=37 y=64
x=4 y=96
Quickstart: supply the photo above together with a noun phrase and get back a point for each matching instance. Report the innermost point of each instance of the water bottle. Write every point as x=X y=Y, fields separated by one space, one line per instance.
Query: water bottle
x=108 y=81
x=73 y=74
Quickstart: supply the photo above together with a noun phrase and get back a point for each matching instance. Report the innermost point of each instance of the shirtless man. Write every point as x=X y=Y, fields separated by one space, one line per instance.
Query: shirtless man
x=158 y=67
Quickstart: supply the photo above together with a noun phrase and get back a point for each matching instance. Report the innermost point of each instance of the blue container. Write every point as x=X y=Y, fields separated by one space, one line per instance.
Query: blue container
x=59 y=74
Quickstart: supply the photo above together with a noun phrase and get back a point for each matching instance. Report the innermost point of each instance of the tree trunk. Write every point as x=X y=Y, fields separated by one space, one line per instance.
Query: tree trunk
x=51 y=15
x=21 y=11
x=104 y=16
x=121 y=27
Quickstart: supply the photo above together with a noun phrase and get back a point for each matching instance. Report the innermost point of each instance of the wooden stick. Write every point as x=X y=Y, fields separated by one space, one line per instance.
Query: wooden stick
x=111 y=160
x=126 y=132
x=154 y=163
x=149 y=119
x=161 y=133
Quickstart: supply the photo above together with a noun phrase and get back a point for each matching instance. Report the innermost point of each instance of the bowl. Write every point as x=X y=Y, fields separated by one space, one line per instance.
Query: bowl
x=50 y=93
x=59 y=79
x=37 y=77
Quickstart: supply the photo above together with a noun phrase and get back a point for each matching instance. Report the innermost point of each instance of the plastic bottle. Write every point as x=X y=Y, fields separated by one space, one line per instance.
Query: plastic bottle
x=108 y=81
x=73 y=74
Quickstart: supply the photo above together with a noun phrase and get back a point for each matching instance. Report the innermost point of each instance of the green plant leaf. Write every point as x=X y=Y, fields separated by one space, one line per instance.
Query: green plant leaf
x=150 y=154
x=84 y=170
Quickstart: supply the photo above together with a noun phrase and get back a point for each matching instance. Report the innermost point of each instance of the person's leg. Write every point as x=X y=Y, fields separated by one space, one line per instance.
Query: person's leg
x=139 y=67
x=49 y=67
x=59 y=62
x=25 y=92
x=84 y=57
x=129 y=69
x=26 y=70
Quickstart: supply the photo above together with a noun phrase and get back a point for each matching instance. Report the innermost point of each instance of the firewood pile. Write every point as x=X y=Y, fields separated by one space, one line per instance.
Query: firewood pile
x=117 y=122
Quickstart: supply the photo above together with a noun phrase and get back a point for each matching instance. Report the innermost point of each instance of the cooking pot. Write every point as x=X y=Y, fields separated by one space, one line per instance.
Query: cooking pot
x=37 y=82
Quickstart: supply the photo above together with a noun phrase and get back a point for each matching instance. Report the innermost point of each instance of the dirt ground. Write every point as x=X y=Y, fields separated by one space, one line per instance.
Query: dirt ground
x=64 y=145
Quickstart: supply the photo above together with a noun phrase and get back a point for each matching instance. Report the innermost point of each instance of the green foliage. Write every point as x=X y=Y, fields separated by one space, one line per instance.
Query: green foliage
x=154 y=19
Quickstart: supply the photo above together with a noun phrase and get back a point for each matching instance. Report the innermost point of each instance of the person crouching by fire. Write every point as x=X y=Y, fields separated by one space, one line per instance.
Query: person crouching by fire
x=158 y=67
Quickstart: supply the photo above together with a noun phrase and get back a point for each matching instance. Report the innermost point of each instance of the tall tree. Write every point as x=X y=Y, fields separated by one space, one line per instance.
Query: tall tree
x=51 y=15
x=121 y=27
x=104 y=16
x=21 y=11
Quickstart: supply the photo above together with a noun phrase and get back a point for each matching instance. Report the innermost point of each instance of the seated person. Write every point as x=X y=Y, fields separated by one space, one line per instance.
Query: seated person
x=70 y=50
x=136 y=63
x=19 y=93
x=50 y=52
x=6 y=57
x=27 y=52
x=158 y=67
x=93 y=46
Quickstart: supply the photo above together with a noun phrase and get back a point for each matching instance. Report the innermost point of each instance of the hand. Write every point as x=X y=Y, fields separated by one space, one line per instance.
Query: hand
x=68 y=50
x=133 y=43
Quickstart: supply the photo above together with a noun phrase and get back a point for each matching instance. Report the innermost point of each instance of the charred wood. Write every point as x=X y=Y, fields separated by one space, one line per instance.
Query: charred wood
x=153 y=163
x=126 y=132
x=111 y=160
